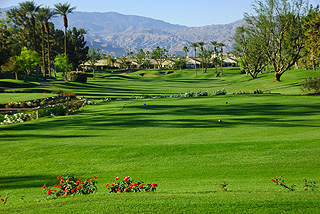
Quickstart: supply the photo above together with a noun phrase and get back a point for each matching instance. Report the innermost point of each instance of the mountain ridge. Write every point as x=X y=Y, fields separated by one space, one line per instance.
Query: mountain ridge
x=117 y=34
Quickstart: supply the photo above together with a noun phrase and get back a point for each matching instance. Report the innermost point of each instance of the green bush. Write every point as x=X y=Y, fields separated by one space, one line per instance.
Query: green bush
x=311 y=84
x=77 y=76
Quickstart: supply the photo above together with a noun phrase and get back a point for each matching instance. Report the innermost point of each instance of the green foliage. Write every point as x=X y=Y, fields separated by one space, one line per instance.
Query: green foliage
x=160 y=55
x=128 y=185
x=27 y=61
x=61 y=64
x=311 y=84
x=77 y=76
x=69 y=185
x=223 y=186
x=280 y=181
x=309 y=185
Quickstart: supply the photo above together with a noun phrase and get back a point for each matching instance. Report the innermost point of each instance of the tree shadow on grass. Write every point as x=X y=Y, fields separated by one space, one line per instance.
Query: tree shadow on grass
x=31 y=181
x=136 y=115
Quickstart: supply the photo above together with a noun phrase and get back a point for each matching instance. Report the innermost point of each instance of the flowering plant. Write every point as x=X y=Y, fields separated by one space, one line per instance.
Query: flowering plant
x=69 y=185
x=280 y=181
x=15 y=118
x=4 y=200
x=128 y=185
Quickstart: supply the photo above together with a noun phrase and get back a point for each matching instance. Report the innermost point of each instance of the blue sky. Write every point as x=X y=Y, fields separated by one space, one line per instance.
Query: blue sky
x=192 y=13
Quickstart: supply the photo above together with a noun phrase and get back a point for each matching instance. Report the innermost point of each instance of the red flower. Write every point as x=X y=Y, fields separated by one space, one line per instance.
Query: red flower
x=112 y=185
x=44 y=186
x=55 y=186
x=126 y=189
x=131 y=186
x=62 y=178
x=59 y=177
x=72 y=190
x=272 y=180
x=58 y=186
x=65 y=194
x=65 y=190
x=49 y=192
x=118 y=190
x=61 y=182
x=55 y=190
x=2 y=200
x=95 y=177
x=154 y=185
x=117 y=178
x=79 y=179
x=77 y=182
x=135 y=184
x=141 y=186
x=107 y=185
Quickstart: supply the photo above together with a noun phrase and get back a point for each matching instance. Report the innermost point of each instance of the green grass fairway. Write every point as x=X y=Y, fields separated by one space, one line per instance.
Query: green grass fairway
x=175 y=142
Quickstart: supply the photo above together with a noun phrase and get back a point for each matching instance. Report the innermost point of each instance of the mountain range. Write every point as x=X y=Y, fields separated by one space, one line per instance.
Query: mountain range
x=117 y=34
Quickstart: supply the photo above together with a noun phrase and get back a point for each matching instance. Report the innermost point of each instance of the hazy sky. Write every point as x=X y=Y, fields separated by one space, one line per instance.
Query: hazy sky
x=192 y=13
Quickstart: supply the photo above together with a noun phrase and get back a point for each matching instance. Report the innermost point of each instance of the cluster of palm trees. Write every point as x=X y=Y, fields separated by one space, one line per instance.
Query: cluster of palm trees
x=206 y=51
x=35 y=14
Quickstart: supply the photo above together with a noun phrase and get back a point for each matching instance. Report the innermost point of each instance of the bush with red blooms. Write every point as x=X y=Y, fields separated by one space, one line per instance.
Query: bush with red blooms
x=128 y=185
x=69 y=185
x=4 y=200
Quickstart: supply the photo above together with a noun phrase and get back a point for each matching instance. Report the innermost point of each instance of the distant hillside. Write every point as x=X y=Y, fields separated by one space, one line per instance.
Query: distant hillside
x=116 y=34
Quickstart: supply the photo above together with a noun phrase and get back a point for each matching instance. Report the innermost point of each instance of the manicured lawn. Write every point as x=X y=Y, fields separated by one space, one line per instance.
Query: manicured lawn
x=175 y=142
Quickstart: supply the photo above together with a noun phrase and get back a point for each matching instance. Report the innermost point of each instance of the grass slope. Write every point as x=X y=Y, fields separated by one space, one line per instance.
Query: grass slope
x=177 y=143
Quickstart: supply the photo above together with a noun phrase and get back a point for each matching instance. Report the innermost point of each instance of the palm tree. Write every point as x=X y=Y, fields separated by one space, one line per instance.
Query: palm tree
x=41 y=17
x=194 y=46
x=186 y=50
x=221 y=45
x=215 y=44
x=30 y=8
x=201 y=44
x=64 y=10
x=48 y=15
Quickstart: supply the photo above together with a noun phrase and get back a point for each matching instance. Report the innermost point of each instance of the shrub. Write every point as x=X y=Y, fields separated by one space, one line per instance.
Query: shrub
x=280 y=181
x=69 y=185
x=77 y=76
x=15 y=118
x=309 y=185
x=202 y=93
x=128 y=185
x=311 y=84
x=221 y=92
x=190 y=94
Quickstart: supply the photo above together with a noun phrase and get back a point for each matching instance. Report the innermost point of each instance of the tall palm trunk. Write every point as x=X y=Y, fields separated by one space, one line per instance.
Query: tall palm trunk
x=48 y=47
x=43 y=66
x=65 y=33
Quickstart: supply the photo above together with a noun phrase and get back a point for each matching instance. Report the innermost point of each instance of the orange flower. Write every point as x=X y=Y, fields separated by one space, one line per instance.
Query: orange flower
x=118 y=190
x=2 y=200
x=107 y=185
x=131 y=186
x=65 y=194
